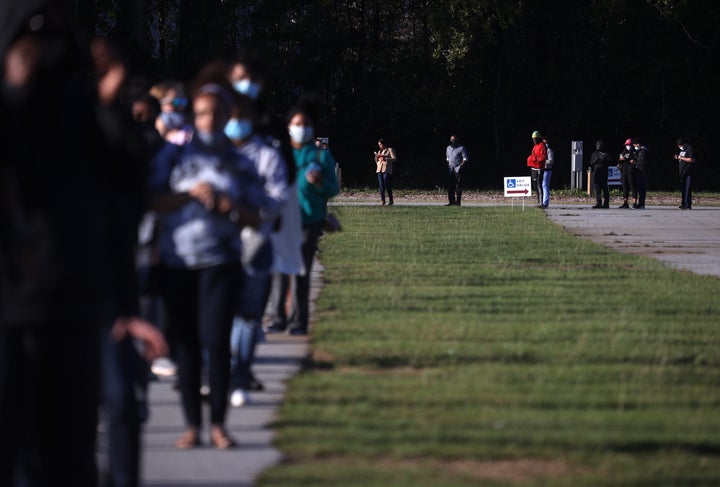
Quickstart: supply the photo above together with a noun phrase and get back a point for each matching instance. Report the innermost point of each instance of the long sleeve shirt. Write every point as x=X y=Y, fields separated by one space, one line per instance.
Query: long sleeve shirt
x=537 y=157
x=313 y=197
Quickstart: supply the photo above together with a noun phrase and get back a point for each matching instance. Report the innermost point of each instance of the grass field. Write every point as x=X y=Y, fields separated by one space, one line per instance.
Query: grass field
x=486 y=346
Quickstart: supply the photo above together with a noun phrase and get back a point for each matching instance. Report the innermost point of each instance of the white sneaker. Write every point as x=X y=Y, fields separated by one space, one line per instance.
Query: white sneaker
x=238 y=398
x=164 y=367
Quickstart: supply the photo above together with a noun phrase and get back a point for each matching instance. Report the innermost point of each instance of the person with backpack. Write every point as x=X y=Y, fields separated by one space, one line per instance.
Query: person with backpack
x=599 y=162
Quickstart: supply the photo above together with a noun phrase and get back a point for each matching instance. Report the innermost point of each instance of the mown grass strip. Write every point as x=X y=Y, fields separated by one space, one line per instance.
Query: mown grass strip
x=492 y=339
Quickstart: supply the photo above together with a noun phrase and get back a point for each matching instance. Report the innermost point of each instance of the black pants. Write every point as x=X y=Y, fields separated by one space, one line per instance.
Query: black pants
x=600 y=186
x=200 y=305
x=536 y=178
x=454 y=185
x=640 y=187
x=311 y=235
x=686 y=188
x=628 y=183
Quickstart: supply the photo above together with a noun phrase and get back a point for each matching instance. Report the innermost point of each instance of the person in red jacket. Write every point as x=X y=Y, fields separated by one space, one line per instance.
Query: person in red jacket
x=536 y=163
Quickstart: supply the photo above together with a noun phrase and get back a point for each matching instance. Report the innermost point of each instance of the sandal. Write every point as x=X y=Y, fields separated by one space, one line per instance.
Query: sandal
x=221 y=439
x=189 y=439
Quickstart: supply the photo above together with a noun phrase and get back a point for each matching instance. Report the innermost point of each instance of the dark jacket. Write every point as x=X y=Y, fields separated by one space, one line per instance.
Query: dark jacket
x=70 y=182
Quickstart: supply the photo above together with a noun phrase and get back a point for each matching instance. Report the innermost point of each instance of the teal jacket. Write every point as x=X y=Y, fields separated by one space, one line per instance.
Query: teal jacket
x=313 y=198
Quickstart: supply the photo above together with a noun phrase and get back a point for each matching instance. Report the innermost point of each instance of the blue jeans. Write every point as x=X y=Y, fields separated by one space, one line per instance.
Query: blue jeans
x=547 y=174
x=385 y=183
x=246 y=330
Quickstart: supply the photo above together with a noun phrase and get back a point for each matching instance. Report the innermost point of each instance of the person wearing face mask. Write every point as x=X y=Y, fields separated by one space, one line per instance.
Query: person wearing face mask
x=172 y=122
x=599 y=163
x=456 y=157
x=205 y=192
x=316 y=183
x=257 y=249
x=626 y=164
x=686 y=166
x=640 y=171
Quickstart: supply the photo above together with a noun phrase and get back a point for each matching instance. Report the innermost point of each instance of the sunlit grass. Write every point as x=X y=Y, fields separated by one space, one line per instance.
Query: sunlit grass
x=489 y=337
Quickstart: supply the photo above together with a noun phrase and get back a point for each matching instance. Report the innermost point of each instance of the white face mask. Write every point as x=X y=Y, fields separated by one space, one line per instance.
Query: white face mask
x=628 y=147
x=301 y=134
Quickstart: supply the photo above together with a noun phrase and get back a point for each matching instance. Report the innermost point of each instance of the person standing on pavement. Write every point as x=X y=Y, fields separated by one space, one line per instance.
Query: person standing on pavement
x=547 y=173
x=316 y=183
x=385 y=161
x=456 y=157
x=686 y=166
x=642 y=161
x=257 y=248
x=205 y=192
x=599 y=163
x=626 y=164
x=536 y=163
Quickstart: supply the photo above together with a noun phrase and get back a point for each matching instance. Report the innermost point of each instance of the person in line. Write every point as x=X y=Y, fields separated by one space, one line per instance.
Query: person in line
x=547 y=173
x=456 y=157
x=384 y=161
x=257 y=249
x=626 y=164
x=536 y=163
x=172 y=123
x=686 y=167
x=316 y=184
x=247 y=75
x=205 y=192
x=68 y=213
x=599 y=163
x=642 y=161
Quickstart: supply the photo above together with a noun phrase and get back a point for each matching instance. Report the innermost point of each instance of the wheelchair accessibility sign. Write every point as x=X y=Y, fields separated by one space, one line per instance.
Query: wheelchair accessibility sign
x=518 y=187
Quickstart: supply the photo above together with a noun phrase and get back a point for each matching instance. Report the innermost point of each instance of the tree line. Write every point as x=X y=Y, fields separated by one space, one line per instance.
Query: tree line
x=491 y=71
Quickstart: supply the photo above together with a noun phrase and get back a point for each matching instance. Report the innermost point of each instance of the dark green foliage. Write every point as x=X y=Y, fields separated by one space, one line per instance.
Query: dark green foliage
x=412 y=71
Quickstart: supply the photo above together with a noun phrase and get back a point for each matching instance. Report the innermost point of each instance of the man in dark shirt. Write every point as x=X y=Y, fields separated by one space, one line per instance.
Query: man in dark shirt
x=686 y=166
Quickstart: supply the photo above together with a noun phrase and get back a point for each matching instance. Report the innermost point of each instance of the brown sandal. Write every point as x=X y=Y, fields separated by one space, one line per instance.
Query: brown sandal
x=221 y=439
x=189 y=439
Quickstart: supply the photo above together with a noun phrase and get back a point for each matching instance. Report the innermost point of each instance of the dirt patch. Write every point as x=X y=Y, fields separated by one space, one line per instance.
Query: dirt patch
x=517 y=471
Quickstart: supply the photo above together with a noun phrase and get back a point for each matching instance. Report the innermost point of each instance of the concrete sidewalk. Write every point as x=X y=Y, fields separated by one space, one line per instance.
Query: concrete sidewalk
x=165 y=466
x=682 y=239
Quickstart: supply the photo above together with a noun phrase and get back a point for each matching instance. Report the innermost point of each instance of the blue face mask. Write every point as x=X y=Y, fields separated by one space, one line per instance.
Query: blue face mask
x=237 y=130
x=172 y=120
x=247 y=87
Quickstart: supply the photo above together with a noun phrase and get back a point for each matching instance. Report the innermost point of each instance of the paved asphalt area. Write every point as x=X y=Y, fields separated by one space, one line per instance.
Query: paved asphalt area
x=682 y=239
x=687 y=240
